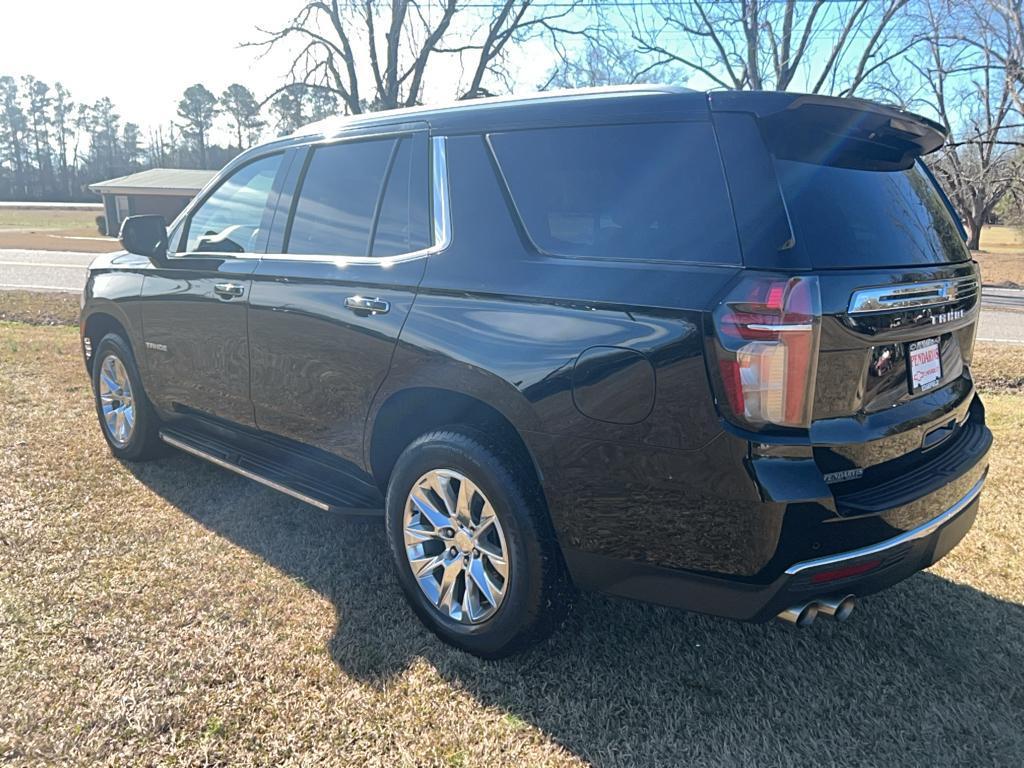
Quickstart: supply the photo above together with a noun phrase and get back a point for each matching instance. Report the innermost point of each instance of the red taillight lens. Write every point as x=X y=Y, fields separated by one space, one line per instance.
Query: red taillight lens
x=767 y=332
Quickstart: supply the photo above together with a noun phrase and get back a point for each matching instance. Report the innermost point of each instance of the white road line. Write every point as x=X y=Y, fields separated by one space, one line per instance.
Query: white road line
x=42 y=264
x=1003 y=341
x=24 y=287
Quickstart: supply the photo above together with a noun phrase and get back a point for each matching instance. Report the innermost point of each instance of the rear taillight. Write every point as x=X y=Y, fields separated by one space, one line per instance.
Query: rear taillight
x=767 y=349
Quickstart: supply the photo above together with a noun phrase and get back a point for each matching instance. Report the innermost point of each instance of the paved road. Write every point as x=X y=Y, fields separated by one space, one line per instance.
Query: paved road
x=1002 y=317
x=49 y=206
x=996 y=325
x=43 y=270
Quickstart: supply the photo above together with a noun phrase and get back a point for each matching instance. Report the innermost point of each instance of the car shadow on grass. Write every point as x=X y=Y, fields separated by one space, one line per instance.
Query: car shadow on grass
x=930 y=672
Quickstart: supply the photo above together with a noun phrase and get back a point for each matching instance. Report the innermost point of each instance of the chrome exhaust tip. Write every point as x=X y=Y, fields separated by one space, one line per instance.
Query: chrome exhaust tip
x=801 y=615
x=839 y=608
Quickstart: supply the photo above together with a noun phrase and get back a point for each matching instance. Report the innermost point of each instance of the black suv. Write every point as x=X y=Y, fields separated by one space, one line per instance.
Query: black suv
x=707 y=350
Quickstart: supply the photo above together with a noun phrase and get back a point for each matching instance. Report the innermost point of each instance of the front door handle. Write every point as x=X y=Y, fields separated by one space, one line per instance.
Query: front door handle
x=229 y=290
x=363 y=305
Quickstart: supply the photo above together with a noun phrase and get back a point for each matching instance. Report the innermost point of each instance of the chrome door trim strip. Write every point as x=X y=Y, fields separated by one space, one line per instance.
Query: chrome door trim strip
x=914 y=534
x=181 y=445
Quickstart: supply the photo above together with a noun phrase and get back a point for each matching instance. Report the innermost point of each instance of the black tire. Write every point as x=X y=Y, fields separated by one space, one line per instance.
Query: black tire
x=538 y=593
x=143 y=444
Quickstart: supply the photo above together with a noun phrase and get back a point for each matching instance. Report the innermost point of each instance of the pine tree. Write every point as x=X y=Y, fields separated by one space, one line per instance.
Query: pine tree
x=197 y=108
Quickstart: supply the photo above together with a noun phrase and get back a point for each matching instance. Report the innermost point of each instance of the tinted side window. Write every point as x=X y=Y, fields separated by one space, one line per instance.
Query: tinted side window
x=846 y=217
x=645 y=191
x=229 y=220
x=403 y=223
x=174 y=239
x=338 y=198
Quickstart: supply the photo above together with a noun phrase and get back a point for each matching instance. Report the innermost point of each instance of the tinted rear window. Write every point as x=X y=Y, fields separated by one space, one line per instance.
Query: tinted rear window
x=402 y=226
x=334 y=213
x=646 y=191
x=860 y=218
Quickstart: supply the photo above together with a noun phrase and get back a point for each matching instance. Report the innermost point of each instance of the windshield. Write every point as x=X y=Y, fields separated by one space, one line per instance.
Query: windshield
x=845 y=217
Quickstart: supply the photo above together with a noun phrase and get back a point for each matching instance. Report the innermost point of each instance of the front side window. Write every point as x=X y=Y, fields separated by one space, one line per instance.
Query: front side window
x=646 y=191
x=229 y=220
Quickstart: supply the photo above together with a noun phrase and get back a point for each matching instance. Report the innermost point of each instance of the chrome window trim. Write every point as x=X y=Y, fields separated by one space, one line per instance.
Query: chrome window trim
x=441 y=213
x=441 y=201
x=912 y=295
x=926 y=529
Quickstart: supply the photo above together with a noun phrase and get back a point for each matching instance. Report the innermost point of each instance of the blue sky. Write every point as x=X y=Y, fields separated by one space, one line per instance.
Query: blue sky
x=143 y=53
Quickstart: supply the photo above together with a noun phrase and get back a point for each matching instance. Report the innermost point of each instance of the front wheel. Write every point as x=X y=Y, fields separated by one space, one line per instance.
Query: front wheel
x=127 y=419
x=474 y=548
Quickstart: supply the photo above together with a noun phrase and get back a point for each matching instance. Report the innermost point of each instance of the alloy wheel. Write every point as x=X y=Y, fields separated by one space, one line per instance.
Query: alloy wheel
x=456 y=547
x=116 y=400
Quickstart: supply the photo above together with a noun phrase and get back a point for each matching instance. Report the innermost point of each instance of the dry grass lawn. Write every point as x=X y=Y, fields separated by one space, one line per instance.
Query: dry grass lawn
x=174 y=614
x=37 y=308
x=53 y=229
x=1002 y=256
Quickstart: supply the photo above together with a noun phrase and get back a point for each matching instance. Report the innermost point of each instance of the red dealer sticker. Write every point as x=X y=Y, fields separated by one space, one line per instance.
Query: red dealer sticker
x=925 y=364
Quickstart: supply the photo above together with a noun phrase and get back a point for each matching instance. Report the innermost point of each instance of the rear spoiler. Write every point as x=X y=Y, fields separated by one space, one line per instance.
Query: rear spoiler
x=827 y=130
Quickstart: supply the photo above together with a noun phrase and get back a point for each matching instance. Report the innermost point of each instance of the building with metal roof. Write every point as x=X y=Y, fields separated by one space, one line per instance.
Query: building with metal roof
x=163 y=191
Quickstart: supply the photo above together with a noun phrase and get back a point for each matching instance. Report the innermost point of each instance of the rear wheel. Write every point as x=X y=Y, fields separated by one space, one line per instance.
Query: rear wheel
x=474 y=548
x=129 y=424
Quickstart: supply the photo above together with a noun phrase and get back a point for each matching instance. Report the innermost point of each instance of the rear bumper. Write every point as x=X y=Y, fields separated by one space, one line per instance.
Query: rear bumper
x=859 y=571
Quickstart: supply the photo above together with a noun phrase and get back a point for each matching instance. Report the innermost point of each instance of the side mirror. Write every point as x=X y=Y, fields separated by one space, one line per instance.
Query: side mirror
x=145 y=236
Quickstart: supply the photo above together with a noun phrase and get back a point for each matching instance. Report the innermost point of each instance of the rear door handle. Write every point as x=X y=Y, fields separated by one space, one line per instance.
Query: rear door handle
x=367 y=306
x=229 y=290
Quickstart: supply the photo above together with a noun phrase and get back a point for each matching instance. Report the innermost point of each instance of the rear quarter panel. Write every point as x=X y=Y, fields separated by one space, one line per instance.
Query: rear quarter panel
x=499 y=321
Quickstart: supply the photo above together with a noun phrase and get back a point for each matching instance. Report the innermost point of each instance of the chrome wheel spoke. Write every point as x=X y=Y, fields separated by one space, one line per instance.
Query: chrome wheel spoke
x=442 y=485
x=424 y=566
x=495 y=559
x=455 y=546
x=425 y=506
x=463 y=508
x=490 y=592
x=417 y=533
x=469 y=602
x=487 y=520
x=446 y=595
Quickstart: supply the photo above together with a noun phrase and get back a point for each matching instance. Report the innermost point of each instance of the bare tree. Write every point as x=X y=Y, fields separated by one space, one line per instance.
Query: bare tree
x=513 y=22
x=812 y=45
x=974 y=99
x=374 y=54
x=606 y=58
x=1001 y=27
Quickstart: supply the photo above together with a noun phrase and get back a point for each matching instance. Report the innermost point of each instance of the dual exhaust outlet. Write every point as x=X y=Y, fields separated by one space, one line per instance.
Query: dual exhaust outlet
x=803 y=614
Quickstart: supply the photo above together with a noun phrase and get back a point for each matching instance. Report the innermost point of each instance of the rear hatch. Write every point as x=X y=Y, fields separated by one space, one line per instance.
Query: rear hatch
x=855 y=321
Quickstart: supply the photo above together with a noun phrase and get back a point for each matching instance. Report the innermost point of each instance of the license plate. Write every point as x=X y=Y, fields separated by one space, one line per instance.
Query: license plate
x=925 y=364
